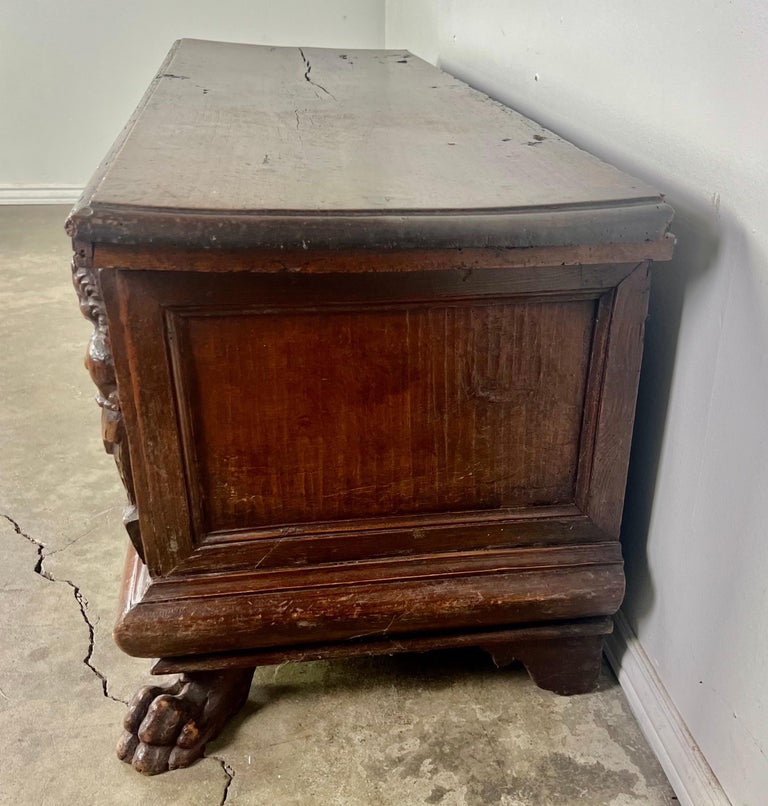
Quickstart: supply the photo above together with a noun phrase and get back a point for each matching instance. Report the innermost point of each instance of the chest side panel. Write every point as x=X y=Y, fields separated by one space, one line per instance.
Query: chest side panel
x=339 y=413
x=277 y=420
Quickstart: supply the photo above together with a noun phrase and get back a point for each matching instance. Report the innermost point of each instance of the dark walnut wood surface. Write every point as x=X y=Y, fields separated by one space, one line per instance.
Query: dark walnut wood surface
x=307 y=147
x=367 y=347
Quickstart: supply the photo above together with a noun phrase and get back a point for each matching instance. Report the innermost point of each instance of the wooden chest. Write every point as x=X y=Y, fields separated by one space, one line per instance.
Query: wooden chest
x=367 y=346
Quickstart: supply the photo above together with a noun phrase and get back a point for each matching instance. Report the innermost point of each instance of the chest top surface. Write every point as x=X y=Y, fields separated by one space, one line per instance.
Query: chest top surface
x=247 y=145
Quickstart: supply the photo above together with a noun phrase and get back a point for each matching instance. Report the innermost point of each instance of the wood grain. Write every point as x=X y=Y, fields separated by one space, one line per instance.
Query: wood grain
x=224 y=623
x=220 y=348
x=333 y=261
x=447 y=564
x=234 y=146
x=499 y=643
x=300 y=546
x=613 y=433
x=391 y=133
x=306 y=415
x=154 y=442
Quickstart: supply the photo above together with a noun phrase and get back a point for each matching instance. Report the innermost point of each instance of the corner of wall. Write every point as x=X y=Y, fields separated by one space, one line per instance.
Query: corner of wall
x=661 y=723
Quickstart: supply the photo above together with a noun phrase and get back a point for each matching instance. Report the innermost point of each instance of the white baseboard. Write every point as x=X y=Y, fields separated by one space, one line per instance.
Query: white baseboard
x=684 y=764
x=40 y=194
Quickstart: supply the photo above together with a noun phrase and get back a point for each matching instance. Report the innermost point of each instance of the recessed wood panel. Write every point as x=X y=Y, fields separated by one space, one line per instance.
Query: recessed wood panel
x=301 y=415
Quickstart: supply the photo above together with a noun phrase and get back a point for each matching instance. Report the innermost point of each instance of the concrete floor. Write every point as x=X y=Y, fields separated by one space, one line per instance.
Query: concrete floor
x=443 y=729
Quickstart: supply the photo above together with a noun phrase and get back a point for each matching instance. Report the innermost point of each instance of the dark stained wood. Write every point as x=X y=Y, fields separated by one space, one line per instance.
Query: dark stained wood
x=569 y=665
x=330 y=575
x=304 y=615
x=167 y=727
x=591 y=412
x=220 y=348
x=382 y=411
x=100 y=365
x=185 y=289
x=233 y=146
x=152 y=432
x=499 y=643
x=349 y=541
x=166 y=258
x=623 y=355
x=577 y=225
x=367 y=346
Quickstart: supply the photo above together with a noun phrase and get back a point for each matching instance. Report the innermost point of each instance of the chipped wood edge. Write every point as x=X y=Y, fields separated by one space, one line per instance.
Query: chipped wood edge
x=689 y=773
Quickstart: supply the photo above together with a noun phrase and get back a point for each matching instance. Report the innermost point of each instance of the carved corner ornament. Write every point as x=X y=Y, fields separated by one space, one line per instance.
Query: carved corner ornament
x=100 y=365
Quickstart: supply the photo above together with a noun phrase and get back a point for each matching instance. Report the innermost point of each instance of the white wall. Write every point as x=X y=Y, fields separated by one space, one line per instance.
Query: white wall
x=72 y=72
x=675 y=93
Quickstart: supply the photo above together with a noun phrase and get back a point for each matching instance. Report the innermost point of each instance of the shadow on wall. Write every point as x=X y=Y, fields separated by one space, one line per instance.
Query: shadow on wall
x=699 y=230
x=698 y=242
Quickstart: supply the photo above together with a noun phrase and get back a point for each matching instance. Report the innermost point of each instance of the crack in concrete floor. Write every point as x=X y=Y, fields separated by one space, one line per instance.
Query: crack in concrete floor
x=82 y=603
x=230 y=773
x=80 y=599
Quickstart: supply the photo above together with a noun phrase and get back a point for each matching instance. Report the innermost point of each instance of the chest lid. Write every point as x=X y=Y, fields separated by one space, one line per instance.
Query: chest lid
x=282 y=147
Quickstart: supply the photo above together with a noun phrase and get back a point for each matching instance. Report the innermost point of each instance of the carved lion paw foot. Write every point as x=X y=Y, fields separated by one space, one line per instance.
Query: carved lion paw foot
x=167 y=727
